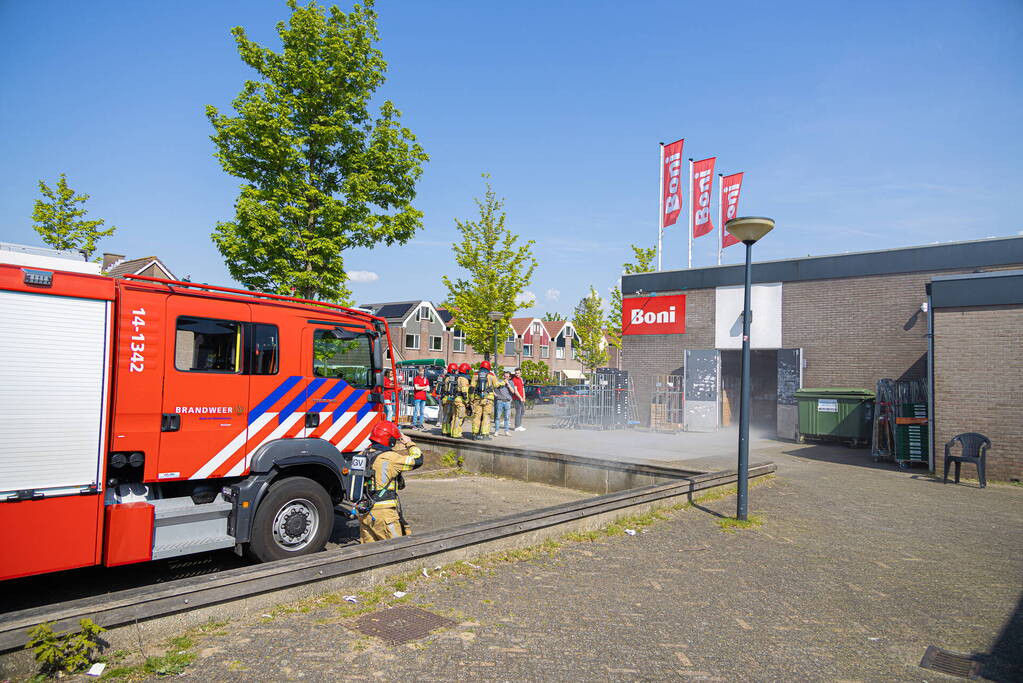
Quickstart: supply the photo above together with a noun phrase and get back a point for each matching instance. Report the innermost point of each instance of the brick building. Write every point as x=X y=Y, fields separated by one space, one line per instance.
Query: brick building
x=833 y=321
x=419 y=330
x=978 y=366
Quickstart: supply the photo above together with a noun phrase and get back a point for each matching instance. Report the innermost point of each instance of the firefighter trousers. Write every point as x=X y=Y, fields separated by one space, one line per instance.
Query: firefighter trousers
x=444 y=418
x=380 y=524
x=457 y=417
x=482 y=415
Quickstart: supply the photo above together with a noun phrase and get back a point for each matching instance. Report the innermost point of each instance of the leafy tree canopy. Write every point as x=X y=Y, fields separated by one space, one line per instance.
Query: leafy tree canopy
x=535 y=372
x=498 y=268
x=59 y=218
x=589 y=328
x=322 y=173
x=552 y=316
x=644 y=264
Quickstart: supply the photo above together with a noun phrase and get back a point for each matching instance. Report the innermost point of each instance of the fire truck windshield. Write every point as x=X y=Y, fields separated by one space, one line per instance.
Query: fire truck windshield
x=347 y=359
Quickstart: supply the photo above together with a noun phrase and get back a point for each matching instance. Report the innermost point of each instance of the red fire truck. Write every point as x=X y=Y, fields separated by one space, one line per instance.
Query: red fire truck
x=146 y=418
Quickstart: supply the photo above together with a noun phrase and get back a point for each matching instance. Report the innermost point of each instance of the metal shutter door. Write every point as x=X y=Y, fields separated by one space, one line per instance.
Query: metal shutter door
x=53 y=391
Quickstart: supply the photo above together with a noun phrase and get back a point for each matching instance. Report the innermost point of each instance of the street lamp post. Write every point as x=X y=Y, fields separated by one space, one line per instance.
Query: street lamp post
x=747 y=230
x=496 y=317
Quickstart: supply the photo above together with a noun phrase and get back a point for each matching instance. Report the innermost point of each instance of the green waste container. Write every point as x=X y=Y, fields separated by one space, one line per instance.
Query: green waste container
x=836 y=414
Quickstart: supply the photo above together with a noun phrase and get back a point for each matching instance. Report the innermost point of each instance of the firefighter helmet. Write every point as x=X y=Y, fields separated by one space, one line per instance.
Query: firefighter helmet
x=485 y=364
x=452 y=367
x=385 y=433
x=464 y=368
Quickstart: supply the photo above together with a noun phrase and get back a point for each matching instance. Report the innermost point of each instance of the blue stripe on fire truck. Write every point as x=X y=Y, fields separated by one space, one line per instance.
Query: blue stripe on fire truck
x=347 y=403
x=363 y=410
x=339 y=384
x=272 y=398
x=303 y=396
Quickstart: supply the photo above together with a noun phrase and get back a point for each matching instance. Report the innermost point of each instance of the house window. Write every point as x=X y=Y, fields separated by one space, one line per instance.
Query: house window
x=573 y=353
x=436 y=343
x=545 y=351
x=568 y=332
x=536 y=328
x=527 y=350
x=509 y=347
x=458 y=341
x=411 y=341
x=424 y=313
x=559 y=352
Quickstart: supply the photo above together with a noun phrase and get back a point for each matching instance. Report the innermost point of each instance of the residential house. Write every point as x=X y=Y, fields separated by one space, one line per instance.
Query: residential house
x=115 y=265
x=417 y=329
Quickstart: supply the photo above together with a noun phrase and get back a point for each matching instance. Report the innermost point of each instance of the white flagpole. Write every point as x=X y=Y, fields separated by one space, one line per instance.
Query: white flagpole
x=660 y=207
x=721 y=215
x=689 y=212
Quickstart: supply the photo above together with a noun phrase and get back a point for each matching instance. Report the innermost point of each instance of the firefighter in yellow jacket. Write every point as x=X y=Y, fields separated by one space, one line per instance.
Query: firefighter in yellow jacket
x=483 y=385
x=447 y=398
x=385 y=464
x=460 y=402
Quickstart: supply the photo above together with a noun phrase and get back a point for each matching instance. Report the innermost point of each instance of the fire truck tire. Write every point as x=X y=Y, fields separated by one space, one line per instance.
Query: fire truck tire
x=295 y=518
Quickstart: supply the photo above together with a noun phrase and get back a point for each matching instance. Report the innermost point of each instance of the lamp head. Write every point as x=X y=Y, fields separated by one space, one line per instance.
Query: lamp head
x=495 y=315
x=749 y=229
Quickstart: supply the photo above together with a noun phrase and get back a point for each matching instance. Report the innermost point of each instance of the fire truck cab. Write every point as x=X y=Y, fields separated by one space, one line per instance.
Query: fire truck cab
x=146 y=419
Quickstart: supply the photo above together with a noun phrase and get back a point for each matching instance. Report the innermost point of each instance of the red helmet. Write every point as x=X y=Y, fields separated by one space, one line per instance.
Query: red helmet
x=452 y=367
x=464 y=367
x=384 y=433
x=485 y=364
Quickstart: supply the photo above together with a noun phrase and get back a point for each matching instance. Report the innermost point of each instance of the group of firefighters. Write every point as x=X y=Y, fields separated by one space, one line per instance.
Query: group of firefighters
x=463 y=393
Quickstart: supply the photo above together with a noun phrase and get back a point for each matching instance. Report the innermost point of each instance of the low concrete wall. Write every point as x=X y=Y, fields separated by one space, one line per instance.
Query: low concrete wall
x=548 y=467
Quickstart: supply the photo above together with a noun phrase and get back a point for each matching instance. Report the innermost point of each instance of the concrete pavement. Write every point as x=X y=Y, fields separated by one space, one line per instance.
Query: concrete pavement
x=854 y=572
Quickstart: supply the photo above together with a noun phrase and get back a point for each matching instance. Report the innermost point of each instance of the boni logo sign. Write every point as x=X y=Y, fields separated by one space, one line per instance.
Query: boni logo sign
x=654 y=315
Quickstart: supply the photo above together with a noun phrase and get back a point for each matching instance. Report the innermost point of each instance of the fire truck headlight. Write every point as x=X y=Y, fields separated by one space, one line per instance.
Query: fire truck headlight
x=136 y=459
x=118 y=460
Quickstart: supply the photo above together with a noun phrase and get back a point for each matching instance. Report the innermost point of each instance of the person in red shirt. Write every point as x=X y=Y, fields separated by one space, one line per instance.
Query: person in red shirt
x=420 y=386
x=388 y=396
x=518 y=399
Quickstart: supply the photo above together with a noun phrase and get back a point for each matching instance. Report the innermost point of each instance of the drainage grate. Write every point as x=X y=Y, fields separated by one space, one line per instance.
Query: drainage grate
x=401 y=624
x=951 y=663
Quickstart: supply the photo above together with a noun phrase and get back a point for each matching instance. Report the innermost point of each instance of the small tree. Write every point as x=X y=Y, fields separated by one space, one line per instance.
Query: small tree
x=322 y=173
x=590 y=349
x=535 y=372
x=499 y=271
x=644 y=264
x=58 y=219
x=552 y=317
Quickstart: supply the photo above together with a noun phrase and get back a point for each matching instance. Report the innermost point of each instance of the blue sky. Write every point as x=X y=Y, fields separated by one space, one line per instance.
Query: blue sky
x=859 y=125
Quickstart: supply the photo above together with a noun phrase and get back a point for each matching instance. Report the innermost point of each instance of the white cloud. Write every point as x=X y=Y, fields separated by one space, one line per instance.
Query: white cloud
x=553 y=294
x=526 y=298
x=362 y=276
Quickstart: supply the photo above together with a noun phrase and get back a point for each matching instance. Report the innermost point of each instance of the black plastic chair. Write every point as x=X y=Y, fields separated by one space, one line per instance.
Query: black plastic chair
x=974 y=450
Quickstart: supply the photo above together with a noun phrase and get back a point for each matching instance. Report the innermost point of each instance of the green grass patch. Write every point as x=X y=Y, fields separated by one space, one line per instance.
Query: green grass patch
x=451 y=459
x=731 y=524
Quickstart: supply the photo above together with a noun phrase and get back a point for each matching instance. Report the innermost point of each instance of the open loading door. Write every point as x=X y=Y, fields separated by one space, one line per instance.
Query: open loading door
x=790 y=379
x=702 y=390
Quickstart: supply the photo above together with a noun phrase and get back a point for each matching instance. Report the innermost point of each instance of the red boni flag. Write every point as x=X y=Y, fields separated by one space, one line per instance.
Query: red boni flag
x=730 y=187
x=703 y=182
x=671 y=182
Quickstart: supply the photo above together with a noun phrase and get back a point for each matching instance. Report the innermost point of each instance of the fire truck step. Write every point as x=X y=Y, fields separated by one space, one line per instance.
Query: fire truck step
x=192 y=545
x=183 y=527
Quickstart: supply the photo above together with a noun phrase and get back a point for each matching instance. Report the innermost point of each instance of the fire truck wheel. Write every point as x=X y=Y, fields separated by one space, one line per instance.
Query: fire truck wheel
x=296 y=518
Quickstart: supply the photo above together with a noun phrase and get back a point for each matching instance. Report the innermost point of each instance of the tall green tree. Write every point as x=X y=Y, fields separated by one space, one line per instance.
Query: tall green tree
x=588 y=322
x=59 y=218
x=535 y=372
x=322 y=173
x=498 y=271
x=644 y=264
